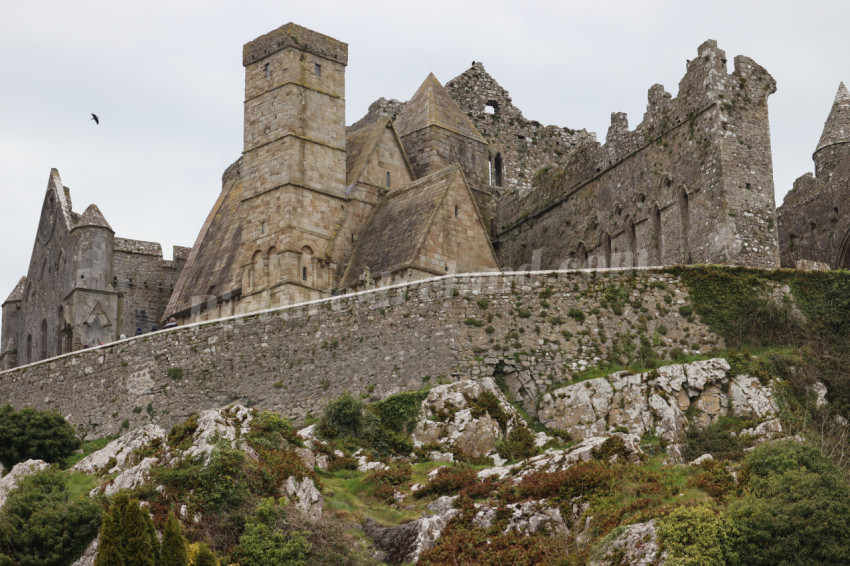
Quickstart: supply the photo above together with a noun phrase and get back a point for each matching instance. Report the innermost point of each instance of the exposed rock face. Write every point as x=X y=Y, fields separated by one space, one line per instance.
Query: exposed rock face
x=20 y=470
x=231 y=424
x=129 y=478
x=659 y=399
x=120 y=449
x=557 y=460
x=637 y=545
x=406 y=542
x=451 y=418
x=88 y=557
x=526 y=517
x=304 y=496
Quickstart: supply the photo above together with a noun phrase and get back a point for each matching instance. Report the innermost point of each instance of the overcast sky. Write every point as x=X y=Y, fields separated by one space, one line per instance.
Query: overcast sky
x=166 y=79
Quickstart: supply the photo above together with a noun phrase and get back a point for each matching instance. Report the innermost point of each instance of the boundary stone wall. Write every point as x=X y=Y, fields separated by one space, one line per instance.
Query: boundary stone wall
x=530 y=330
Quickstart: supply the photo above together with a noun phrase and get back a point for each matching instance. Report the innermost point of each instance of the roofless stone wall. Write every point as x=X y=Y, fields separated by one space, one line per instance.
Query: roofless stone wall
x=530 y=329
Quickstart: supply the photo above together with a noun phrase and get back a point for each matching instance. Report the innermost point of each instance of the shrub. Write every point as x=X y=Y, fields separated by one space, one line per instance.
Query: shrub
x=449 y=480
x=342 y=417
x=398 y=474
x=269 y=430
x=697 y=535
x=796 y=511
x=613 y=447
x=517 y=445
x=583 y=479
x=173 y=550
x=488 y=403
x=576 y=315
x=399 y=412
x=180 y=435
x=716 y=440
x=713 y=479
x=40 y=525
x=127 y=535
x=29 y=433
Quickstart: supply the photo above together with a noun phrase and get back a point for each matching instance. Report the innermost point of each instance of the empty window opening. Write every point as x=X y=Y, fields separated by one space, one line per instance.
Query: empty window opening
x=581 y=255
x=631 y=237
x=388 y=178
x=812 y=226
x=29 y=349
x=520 y=137
x=304 y=274
x=43 y=339
x=606 y=248
x=318 y=70
x=489 y=110
x=267 y=70
x=749 y=186
x=263 y=228
x=835 y=210
x=455 y=211
x=684 y=216
x=657 y=248
x=497 y=167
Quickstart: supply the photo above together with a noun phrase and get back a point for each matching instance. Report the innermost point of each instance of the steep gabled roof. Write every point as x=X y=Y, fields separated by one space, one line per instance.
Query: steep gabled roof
x=837 y=127
x=93 y=217
x=396 y=231
x=433 y=106
x=212 y=262
x=18 y=292
x=360 y=143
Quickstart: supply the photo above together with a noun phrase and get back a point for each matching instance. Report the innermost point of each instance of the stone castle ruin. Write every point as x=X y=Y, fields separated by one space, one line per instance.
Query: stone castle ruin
x=456 y=180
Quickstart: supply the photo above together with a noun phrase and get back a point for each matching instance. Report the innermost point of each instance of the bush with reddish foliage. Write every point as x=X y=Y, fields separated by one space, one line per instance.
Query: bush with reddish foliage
x=462 y=544
x=583 y=479
x=449 y=480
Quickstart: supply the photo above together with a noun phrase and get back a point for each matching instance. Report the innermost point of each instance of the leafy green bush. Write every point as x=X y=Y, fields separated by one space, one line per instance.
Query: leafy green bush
x=716 y=439
x=517 y=445
x=488 y=403
x=29 y=433
x=342 y=417
x=40 y=525
x=399 y=412
x=697 y=536
x=797 y=508
x=269 y=430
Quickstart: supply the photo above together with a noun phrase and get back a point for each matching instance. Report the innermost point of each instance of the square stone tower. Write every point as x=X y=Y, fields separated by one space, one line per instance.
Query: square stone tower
x=293 y=165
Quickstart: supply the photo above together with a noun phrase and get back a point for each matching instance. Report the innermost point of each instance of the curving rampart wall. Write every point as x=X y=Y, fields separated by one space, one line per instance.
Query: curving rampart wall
x=530 y=329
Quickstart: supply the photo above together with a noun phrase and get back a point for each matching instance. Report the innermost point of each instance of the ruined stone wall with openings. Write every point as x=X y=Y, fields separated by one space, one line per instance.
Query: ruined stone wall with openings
x=145 y=282
x=692 y=183
x=814 y=220
x=518 y=146
x=532 y=330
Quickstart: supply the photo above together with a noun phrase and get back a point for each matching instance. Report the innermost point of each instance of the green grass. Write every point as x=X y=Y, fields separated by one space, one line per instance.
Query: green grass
x=88 y=448
x=349 y=495
x=80 y=484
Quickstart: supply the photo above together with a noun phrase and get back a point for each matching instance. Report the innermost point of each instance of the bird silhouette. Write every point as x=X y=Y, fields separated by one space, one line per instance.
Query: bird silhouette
x=95 y=118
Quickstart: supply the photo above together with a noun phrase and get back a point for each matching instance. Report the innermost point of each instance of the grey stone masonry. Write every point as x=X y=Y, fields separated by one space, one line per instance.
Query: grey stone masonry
x=532 y=329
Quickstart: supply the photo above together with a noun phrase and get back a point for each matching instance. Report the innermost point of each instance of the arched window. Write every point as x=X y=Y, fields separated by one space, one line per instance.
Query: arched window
x=388 y=179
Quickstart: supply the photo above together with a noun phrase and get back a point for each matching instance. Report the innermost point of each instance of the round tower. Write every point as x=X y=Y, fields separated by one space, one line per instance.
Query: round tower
x=834 y=143
x=93 y=245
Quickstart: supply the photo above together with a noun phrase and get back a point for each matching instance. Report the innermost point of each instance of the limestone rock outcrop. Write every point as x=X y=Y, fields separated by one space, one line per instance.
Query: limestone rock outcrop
x=406 y=542
x=114 y=456
x=455 y=418
x=637 y=545
x=658 y=400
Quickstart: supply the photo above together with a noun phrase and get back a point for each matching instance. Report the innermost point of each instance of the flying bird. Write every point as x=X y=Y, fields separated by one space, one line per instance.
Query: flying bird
x=95 y=118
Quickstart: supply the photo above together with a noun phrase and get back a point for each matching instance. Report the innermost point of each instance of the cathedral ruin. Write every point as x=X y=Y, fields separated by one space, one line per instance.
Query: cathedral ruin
x=454 y=180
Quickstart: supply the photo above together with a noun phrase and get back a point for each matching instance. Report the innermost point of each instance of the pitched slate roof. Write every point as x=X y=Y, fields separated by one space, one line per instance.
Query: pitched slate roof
x=433 y=106
x=837 y=127
x=18 y=292
x=360 y=143
x=398 y=228
x=211 y=263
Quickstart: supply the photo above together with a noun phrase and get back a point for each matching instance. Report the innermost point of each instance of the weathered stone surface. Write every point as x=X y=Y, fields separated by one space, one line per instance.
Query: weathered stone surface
x=20 y=470
x=554 y=460
x=88 y=557
x=406 y=542
x=525 y=517
x=229 y=424
x=419 y=330
x=128 y=479
x=657 y=400
x=305 y=496
x=119 y=451
x=637 y=545
x=461 y=432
